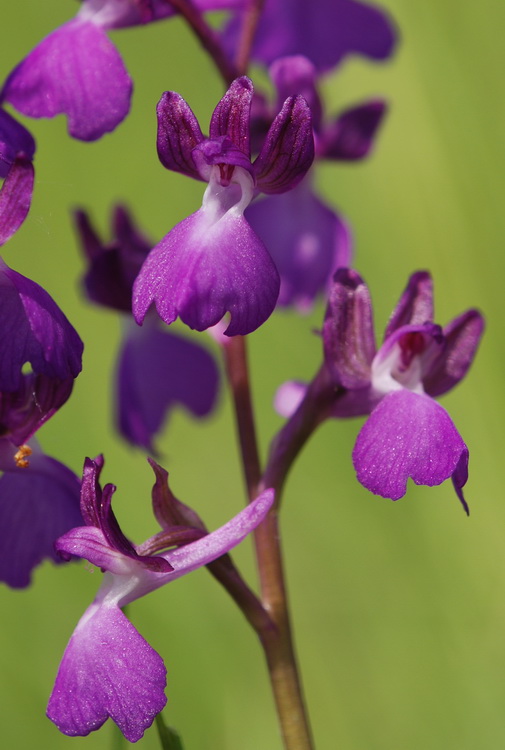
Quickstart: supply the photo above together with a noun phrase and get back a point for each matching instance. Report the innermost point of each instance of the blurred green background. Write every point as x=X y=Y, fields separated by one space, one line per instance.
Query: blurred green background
x=398 y=607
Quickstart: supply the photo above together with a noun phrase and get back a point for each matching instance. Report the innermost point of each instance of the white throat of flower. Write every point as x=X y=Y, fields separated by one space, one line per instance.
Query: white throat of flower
x=225 y=200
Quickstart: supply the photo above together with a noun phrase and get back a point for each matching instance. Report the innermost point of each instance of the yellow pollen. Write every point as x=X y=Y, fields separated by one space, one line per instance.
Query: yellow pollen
x=21 y=456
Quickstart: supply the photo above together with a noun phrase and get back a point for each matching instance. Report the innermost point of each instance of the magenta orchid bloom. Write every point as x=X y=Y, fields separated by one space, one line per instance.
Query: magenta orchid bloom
x=108 y=669
x=213 y=262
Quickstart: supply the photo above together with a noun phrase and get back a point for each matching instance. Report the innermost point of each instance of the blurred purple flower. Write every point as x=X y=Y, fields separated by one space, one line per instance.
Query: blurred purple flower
x=212 y=262
x=77 y=71
x=307 y=240
x=156 y=369
x=324 y=31
x=407 y=433
x=108 y=669
x=39 y=496
x=17 y=149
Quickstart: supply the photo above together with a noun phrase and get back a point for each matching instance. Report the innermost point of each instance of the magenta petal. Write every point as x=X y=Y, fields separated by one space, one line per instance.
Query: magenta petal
x=15 y=198
x=288 y=150
x=231 y=115
x=75 y=71
x=34 y=330
x=37 y=504
x=178 y=134
x=203 y=269
x=415 y=306
x=158 y=370
x=325 y=31
x=15 y=141
x=348 y=333
x=351 y=136
x=462 y=337
x=306 y=239
x=407 y=435
x=108 y=670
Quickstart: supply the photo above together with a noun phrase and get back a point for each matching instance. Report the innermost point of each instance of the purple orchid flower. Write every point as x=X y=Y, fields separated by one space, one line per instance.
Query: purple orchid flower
x=157 y=370
x=213 y=262
x=307 y=240
x=325 y=31
x=408 y=434
x=77 y=71
x=108 y=669
x=39 y=496
x=17 y=149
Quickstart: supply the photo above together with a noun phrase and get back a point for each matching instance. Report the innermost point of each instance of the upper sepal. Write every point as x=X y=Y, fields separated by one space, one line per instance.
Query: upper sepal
x=178 y=134
x=288 y=150
x=348 y=333
x=231 y=115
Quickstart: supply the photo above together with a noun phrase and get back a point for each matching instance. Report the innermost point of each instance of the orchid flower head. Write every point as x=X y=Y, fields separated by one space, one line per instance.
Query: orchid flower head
x=108 y=669
x=408 y=434
x=213 y=262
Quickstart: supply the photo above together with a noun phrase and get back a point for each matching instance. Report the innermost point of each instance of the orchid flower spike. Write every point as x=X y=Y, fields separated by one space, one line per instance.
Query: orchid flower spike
x=108 y=669
x=213 y=262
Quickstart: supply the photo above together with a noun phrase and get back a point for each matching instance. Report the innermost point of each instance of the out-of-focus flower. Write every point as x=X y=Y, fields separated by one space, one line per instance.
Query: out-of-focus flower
x=157 y=370
x=408 y=434
x=77 y=71
x=307 y=240
x=108 y=669
x=212 y=262
x=39 y=497
x=17 y=149
x=324 y=31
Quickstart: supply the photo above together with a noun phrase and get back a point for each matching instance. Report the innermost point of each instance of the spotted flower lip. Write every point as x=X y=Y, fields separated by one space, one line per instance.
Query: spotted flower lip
x=108 y=669
x=407 y=433
x=213 y=262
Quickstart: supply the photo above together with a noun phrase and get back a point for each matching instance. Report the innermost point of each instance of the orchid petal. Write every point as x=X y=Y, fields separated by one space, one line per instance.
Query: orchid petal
x=203 y=269
x=108 y=670
x=351 y=136
x=15 y=198
x=34 y=330
x=38 y=503
x=75 y=71
x=462 y=337
x=348 y=333
x=178 y=134
x=232 y=113
x=407 y=435
x=415 y=306
x=288 y=151
x=306 y=239
x=157 y=371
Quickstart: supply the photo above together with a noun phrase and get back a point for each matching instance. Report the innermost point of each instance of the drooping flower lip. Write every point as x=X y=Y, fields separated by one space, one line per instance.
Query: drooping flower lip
x=409 y=435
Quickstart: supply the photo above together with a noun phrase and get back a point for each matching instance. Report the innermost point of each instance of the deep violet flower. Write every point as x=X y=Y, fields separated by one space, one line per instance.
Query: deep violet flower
x=325 y=31
x=157 y=370
x=17 y=149
x=408 y=434
x=212 y=262
x=108 y=669
x=39 y=497
x=306 y=238
x=77 y=71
